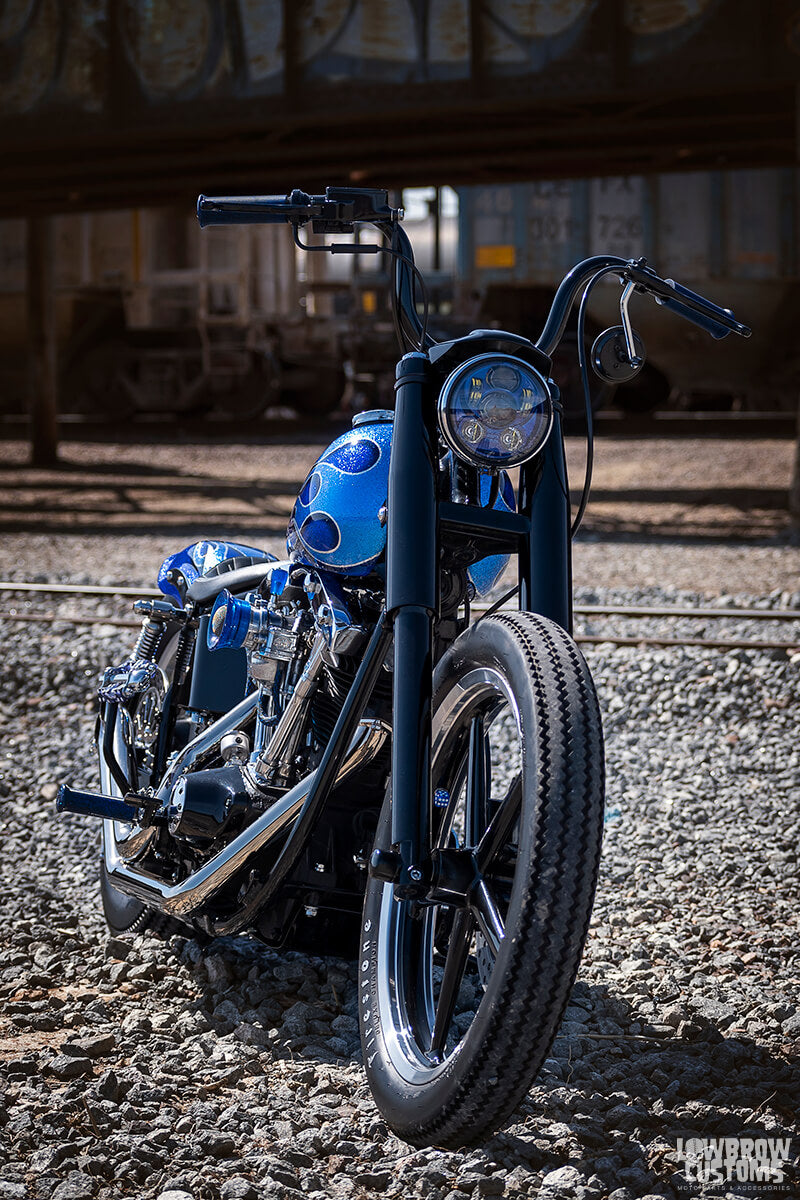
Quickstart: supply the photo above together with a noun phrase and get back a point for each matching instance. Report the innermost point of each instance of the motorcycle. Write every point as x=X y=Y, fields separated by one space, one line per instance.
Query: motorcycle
x=328 y=752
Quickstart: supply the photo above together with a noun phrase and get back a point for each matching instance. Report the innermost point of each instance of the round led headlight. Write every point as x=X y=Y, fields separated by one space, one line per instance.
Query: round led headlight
x=495 y=411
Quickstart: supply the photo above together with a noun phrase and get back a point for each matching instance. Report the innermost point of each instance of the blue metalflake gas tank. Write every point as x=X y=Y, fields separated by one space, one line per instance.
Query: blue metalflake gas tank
x=338 y=522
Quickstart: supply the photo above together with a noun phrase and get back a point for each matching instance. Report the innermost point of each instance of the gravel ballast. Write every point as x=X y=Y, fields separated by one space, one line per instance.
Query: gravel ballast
x=703 y=514
x=143 y=1067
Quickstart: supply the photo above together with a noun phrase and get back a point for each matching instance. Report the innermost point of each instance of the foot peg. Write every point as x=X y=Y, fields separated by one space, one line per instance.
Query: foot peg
x=93 y=804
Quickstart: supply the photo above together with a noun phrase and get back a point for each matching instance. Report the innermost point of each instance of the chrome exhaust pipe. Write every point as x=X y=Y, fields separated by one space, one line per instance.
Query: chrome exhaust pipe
x=137 y=842
x=185 y=898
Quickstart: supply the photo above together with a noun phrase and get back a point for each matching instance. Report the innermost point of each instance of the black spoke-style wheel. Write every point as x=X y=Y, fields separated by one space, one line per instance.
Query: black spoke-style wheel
x=461 y=995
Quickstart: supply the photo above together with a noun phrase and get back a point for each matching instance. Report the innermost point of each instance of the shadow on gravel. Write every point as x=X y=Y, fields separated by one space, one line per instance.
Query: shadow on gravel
x=86 y=469
x=284 y=1002
x=610 y=1102
x=743 y=498
x=133 y=497
x=216 y=525
x=622 y=1101
x=116 y=479
x=683 y=533
x=301 y=430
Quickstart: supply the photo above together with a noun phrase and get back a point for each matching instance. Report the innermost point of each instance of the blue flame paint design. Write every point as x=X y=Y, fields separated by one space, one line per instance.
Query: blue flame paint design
x=354 y=457
x=321 y=533
x=311 y=488
x=334 y=523
x=193 y=561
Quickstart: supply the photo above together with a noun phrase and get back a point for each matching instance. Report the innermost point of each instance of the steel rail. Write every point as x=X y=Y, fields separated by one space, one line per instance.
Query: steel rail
x=77 y=589
x=700 y=614
x=626 y=610
x=582 y=638
x=710 y=643
x=56 y=618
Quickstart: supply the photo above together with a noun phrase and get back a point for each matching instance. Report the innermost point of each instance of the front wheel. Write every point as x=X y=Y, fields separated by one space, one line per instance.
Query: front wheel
x=459 y=1002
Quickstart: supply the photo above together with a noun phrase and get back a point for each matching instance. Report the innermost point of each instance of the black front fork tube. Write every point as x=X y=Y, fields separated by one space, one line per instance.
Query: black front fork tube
x=411 y=601
x=545 y=564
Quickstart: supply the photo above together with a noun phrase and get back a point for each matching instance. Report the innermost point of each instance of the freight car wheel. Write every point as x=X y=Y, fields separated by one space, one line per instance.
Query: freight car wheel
x=567 y=375
x=644 y=394
x=95 y=383
x=253 y=395
x=313 y=391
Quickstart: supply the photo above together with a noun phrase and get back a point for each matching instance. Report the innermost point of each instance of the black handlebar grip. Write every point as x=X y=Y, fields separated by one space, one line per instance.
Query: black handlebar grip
x=252 y=210
x=719 y=322
x=711 y=326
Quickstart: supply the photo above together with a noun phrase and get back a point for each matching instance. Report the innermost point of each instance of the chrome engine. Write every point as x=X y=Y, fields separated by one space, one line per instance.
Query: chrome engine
x=289 y=629
x=231 y=783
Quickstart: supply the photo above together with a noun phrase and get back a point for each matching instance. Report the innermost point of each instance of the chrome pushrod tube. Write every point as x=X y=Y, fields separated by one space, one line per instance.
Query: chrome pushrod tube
x=287 y=732
x=185 y=898
x=208 y=740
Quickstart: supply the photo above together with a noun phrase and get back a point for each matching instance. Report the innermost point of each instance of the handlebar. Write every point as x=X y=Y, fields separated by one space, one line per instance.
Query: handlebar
x=338 y=211
x=710 y=324
x=335 y=212
x=341 y=208
x=719 y=322
x=253 y=210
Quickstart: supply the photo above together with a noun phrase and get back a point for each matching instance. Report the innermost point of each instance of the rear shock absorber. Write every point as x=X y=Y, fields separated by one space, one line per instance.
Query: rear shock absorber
x=156 y=613
x=149 y=639
x=183 y=655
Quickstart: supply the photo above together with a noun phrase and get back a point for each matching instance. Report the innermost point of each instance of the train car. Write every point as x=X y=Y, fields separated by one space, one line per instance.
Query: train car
x=732 y=235
x=154 y=317
x=107 y=106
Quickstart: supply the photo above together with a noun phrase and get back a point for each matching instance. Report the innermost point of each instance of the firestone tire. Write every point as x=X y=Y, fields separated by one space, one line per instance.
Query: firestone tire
x=550 y=862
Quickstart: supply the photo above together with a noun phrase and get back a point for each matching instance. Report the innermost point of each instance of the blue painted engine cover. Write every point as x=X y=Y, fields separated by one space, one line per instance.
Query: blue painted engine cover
x=336 y=521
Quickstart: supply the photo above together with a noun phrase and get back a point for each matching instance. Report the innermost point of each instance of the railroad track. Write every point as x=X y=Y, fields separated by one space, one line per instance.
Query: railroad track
x=581 y=610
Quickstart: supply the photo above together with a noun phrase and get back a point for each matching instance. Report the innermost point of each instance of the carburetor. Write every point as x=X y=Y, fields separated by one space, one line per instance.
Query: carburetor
x=270 y=636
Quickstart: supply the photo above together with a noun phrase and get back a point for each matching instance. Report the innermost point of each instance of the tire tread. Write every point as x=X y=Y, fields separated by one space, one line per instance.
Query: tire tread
x=543 y=962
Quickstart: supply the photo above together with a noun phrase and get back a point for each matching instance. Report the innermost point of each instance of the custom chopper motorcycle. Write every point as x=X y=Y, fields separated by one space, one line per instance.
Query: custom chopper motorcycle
x=328 y=752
